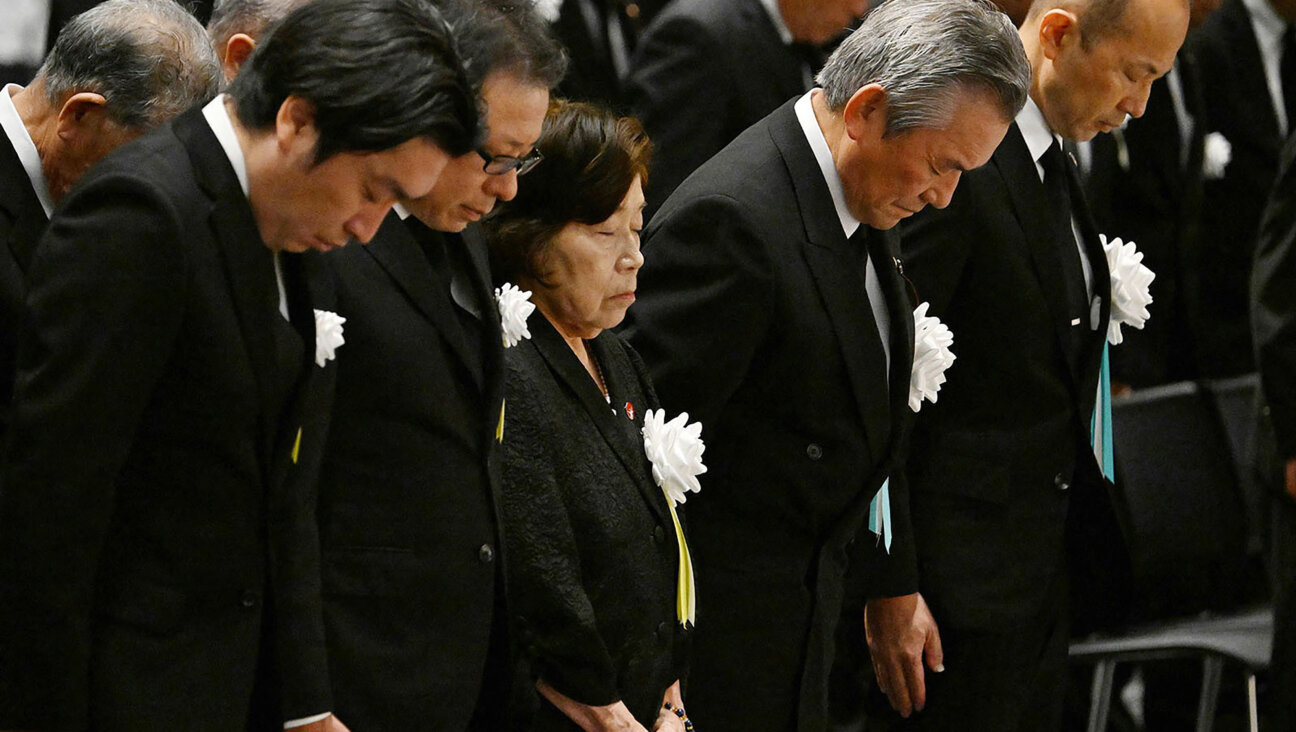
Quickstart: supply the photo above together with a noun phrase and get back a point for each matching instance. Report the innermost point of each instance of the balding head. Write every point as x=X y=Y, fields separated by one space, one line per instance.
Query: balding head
x=237 y=25
x=1094 y=61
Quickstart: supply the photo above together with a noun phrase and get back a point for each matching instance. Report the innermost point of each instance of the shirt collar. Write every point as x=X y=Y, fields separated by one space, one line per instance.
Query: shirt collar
x=776 y=16
x=1034 y=128
x=223 y=127
x=16 y=130
x=819 y=146
x=1265 y=19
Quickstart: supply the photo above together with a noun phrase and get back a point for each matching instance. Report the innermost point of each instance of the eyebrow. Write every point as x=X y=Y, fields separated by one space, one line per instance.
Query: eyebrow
x=395 y=189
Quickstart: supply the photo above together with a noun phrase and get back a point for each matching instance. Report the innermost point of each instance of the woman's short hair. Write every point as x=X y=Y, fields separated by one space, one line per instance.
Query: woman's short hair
x=591 y=156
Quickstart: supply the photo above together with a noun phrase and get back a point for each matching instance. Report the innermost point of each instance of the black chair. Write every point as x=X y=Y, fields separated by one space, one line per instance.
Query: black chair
x=1187 y=535
x=1237 y=400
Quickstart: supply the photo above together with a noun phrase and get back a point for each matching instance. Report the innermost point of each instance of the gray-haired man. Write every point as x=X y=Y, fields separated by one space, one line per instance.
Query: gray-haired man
x=772 y=308
x=115 y=71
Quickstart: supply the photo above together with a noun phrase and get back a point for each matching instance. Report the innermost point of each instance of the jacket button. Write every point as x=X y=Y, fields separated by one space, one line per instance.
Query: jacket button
x=249 y=599
x=1060 y=482
x=659 y=535
x=813 y=451
x=486 y=554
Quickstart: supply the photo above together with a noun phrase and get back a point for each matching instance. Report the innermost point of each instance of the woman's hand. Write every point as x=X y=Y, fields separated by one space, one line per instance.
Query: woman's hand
x=610 y=718
x=667 y=719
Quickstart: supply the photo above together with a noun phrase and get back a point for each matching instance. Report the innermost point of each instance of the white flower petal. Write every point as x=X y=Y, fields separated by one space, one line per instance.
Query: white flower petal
x=1130 y=287
x=932 y=356
x=515 y=307
x=328 y=335
x=675 y=450
x=1217 y=153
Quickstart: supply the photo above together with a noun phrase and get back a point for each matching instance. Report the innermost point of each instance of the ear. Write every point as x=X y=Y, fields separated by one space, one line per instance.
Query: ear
x=865 y=113
x=237 y=50
x=84 y=113
x=1057 y=29
x=295 y=132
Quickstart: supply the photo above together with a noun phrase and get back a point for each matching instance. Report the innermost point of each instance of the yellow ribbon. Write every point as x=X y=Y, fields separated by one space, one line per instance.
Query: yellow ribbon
x=685 y=592
x=296 y=446
x=499 y=428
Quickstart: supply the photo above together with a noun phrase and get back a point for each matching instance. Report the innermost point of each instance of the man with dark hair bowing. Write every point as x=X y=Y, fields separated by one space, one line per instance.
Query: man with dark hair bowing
x=158 y=552
x=413 y=585
x=772 y=309
x=1011 y=514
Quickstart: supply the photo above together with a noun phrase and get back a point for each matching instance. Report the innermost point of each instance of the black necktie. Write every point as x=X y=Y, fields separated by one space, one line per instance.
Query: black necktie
x=877 y=408
x=1287 y=70
x=1059 y=197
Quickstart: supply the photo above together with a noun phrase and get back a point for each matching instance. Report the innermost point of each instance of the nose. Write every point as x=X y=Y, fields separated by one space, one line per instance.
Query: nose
x=633 y=259
x=364 y=224
x=942 y=190
x=504 y=187
x=1136 y=104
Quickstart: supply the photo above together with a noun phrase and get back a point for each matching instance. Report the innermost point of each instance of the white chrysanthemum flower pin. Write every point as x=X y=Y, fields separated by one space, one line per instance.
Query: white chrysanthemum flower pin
x=932 y=356
x=1130 y=282
x=1217 y=153
x=515 y=307
x=328 y=335
x=675 y=450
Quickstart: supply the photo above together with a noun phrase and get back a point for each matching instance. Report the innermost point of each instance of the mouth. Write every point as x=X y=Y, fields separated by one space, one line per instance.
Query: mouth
x=473 y=214
x=625 y=297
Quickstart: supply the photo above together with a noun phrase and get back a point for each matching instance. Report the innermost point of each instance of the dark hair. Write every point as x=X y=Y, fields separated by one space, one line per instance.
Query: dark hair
x=150 y=60
x=250 y=17
x=591 y=156
x=378 y=73
x=505 y=36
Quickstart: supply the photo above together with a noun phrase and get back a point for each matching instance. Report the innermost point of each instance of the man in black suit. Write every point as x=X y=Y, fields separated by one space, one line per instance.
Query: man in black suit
x=772 y=309
x=116 y=72
x=1239 y=53
x=705 y=70
x=1273 y=321
x=1010 y=509
x=413 y=588
x=158 y=552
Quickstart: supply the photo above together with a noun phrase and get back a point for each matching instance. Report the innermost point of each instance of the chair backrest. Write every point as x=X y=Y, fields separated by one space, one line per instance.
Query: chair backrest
x=1237 y=400
x=1174 y=470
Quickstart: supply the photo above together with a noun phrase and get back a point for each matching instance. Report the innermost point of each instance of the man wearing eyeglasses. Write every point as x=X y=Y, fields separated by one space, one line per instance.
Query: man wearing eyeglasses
x=413 y=605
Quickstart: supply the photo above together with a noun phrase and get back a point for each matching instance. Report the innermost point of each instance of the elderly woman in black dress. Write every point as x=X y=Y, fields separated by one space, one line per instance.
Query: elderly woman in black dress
x=598 y=571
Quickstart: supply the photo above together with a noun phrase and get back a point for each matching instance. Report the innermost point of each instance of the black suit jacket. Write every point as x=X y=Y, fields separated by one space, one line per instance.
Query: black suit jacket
x=155 y=526
x=22 y=221
x=1273 y=304
x=1001 y=461
x=704 y=71
x=593 y=557
x=408 y=490
x=752 y=318
x=1145 y=186
x=1238 y=105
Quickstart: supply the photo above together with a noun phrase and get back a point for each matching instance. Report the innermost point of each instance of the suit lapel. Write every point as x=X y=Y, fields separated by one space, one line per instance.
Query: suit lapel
x=493 y=347
x=836 y=270
x=1250 y=82
x=901 y=307
x=399 y=253
x=572 y=375
x=1031 y=208
x=248 y=263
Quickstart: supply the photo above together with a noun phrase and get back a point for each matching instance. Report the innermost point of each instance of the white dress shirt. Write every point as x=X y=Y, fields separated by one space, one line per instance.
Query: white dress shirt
x=16 y=131
x=218 y=119
x=872 y=285
x=1269 y=28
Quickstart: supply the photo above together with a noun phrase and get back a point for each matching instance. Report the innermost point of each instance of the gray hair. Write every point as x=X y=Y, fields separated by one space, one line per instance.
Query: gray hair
x=150 y=59
x=250 y=17
x=924 y=53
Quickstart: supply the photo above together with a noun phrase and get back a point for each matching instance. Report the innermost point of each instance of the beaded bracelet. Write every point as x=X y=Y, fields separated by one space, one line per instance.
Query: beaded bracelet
x=679 y=712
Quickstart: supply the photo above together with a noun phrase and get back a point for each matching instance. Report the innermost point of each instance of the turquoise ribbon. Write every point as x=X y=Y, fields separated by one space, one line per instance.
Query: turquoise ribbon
x=1100 y=427
x=879 y=521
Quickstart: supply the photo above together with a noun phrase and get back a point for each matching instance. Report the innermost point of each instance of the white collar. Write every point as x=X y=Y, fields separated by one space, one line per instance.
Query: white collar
x=776 y=16
x=219 y=120
x=401 y=211
x=1035 y=129
x=1265 y=19
x=16 y=130
x=819 y=146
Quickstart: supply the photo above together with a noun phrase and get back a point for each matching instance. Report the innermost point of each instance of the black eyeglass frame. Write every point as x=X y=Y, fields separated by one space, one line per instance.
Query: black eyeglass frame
x=501 y=164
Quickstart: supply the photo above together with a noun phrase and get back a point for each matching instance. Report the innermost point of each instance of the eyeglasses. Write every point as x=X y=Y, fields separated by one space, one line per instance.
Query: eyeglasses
x=501 y=164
